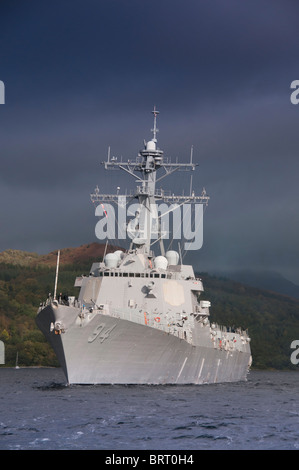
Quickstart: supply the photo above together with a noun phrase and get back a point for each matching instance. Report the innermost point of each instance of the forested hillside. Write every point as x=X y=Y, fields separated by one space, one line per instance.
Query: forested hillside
x=26 y=279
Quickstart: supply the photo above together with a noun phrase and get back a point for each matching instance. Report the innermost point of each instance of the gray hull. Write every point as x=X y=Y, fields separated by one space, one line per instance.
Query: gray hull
x=115 y=351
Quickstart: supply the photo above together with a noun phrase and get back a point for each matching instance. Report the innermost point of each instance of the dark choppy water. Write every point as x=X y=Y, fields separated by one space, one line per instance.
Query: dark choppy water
x=37 y=411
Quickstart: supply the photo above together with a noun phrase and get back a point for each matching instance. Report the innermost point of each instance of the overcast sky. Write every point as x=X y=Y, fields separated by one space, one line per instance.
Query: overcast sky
x=84 y=75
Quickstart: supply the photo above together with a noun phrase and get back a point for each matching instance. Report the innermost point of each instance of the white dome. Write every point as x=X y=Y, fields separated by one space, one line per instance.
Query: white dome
x=161 y=262
x=172 y=257
x=111 y=260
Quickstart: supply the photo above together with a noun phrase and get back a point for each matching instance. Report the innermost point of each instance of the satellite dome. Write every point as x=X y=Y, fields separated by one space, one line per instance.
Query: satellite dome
x=161 y=262
x=111 y=260
x=172 y=257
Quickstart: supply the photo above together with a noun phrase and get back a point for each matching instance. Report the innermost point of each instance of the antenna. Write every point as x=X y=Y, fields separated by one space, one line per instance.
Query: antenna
x=180 y=253
x=105 y=249
x=191 y=177
x=56 y=277
x=155 y=130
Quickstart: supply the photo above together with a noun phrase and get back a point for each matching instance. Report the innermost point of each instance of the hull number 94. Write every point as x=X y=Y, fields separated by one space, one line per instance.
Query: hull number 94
x=101 y=332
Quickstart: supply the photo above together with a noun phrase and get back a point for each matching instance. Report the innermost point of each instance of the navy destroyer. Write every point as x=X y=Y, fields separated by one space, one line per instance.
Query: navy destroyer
x=139 y=317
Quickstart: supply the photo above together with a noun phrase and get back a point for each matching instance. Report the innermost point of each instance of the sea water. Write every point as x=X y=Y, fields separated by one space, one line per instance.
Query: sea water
x=39 y=411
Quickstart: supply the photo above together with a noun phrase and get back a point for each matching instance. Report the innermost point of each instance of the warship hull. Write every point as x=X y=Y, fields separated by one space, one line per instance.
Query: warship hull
x=110 y=350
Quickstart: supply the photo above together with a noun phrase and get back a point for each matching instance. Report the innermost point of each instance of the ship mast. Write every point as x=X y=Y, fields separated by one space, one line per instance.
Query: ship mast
x=149 y=161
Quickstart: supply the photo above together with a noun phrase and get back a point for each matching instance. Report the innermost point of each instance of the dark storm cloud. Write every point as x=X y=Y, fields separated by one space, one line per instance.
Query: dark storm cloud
x=80 y=76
